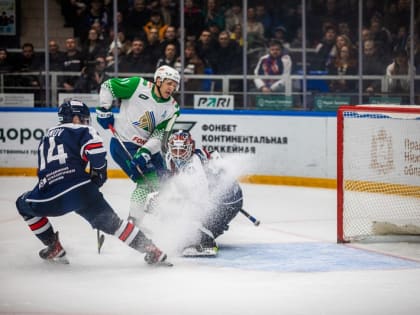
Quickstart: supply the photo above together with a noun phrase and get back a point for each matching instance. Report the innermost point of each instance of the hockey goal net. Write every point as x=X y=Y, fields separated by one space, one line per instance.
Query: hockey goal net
x=378 y=172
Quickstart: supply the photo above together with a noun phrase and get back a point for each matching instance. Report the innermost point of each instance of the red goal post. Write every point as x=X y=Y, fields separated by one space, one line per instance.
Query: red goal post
x=378 y=172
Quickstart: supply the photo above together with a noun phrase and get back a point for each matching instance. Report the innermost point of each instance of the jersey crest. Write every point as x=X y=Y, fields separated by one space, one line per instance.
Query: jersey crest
x=147 y=121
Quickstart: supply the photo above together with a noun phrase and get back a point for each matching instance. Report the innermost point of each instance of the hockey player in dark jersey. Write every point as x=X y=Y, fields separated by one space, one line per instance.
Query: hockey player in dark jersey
x=64 y=186
x=223 y=192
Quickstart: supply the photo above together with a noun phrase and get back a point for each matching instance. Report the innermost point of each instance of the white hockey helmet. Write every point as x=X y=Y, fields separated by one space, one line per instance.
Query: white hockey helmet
x=166 y=72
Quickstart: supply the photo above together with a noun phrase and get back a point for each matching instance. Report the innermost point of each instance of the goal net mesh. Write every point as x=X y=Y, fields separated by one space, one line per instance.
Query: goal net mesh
x=378 y=173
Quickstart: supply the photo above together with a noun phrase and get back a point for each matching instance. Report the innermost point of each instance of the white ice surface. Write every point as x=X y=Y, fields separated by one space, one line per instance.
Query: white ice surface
x=119 y=282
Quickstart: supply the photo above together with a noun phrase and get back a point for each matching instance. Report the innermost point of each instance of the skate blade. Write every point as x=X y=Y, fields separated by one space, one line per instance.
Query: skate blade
x=58 y=261
x=204 y=252
x=163 y=264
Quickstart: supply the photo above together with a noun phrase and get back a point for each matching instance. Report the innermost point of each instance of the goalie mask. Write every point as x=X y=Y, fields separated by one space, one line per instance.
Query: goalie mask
x=181 y=147
x=71 y=108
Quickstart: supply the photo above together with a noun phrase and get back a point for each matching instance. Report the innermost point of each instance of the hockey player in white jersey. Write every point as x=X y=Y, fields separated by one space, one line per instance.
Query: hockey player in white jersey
x=147 y=114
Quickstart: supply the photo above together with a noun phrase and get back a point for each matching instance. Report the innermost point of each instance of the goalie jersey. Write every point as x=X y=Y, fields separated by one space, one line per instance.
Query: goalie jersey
x=224 y=190
x=63 y=155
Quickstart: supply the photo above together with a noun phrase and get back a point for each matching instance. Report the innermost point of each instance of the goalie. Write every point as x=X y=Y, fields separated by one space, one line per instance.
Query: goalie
x=213 y=186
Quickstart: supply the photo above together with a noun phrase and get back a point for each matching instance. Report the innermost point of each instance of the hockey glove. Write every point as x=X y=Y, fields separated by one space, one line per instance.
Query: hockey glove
x=98 y=175
x=140 y=159
x=104 y=117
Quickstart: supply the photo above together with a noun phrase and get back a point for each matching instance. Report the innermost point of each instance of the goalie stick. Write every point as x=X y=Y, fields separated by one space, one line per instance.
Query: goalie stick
x=250 y=217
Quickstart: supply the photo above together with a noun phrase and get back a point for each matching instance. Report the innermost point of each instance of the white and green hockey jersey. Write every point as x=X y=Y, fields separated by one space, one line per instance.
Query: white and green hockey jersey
x=143 y=116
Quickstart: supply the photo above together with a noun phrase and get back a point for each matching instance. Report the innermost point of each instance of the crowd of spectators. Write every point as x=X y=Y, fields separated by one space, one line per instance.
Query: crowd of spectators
x=148 y=35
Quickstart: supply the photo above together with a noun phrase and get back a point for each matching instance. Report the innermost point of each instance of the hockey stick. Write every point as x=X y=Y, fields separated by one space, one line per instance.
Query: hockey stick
x=250 y=217
x=166 y=134
x=117 y=136
x=101 y=239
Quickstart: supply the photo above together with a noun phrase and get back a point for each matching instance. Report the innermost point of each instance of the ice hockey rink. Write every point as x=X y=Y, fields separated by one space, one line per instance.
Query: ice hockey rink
x=290 y=264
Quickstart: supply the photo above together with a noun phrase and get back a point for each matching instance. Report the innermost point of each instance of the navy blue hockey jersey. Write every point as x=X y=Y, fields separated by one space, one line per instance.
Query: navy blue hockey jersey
x=63 y=155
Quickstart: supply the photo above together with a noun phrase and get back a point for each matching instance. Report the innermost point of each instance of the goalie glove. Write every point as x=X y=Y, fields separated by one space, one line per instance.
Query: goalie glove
x=98 y=175
x=104 y=117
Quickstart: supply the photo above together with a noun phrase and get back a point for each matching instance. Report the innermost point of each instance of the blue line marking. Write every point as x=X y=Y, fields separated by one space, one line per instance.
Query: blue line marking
x=303 y=257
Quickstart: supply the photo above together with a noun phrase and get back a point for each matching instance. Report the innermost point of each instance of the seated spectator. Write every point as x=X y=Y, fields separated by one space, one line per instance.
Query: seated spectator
x=153 y=48
x=228 y=57
x=276 y=62
x=73 y=62
x=399 y=67
x=366 y=34
x=262 y=15
x=56 y=56
x=207 y=47
x=92 y=76
x=136 y=19
x=236 y=34
x=169 y=57
x=194 y=20
x=123 y=44
x=103 y=33
x=6 y=64
x=213 y=15
x=345 y=63
x=29 y=61
x=96 y=12
x=171 y=37
x=228 y=61
x=297 y=41
x=136 y=60
x=400 y=39
x=279 y=34
x=93 y=47
x=254 y=30
x=340 y=41
x=325 y=50
x=169 y=12
x=214 y=31
x=233 y=15
x=71 y=11
x=155 y=22
x=344 y=29
x=193 y=64
x=381 y=36
x=373 y=64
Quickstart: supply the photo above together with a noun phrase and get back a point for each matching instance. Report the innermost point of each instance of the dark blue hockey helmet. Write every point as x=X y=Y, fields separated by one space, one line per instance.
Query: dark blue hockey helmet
x=71 y=108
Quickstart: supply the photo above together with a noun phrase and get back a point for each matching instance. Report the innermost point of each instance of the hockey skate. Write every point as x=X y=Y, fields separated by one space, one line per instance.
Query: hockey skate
x=54 y=252
x=206 y=248
x=154 y=256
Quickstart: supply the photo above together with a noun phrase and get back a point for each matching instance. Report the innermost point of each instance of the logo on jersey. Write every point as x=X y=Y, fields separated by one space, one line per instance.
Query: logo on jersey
x=146 y=121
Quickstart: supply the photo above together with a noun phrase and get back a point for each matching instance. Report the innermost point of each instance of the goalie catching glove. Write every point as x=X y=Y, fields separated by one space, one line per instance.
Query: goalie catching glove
x=98 y=175
x=104 y=117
